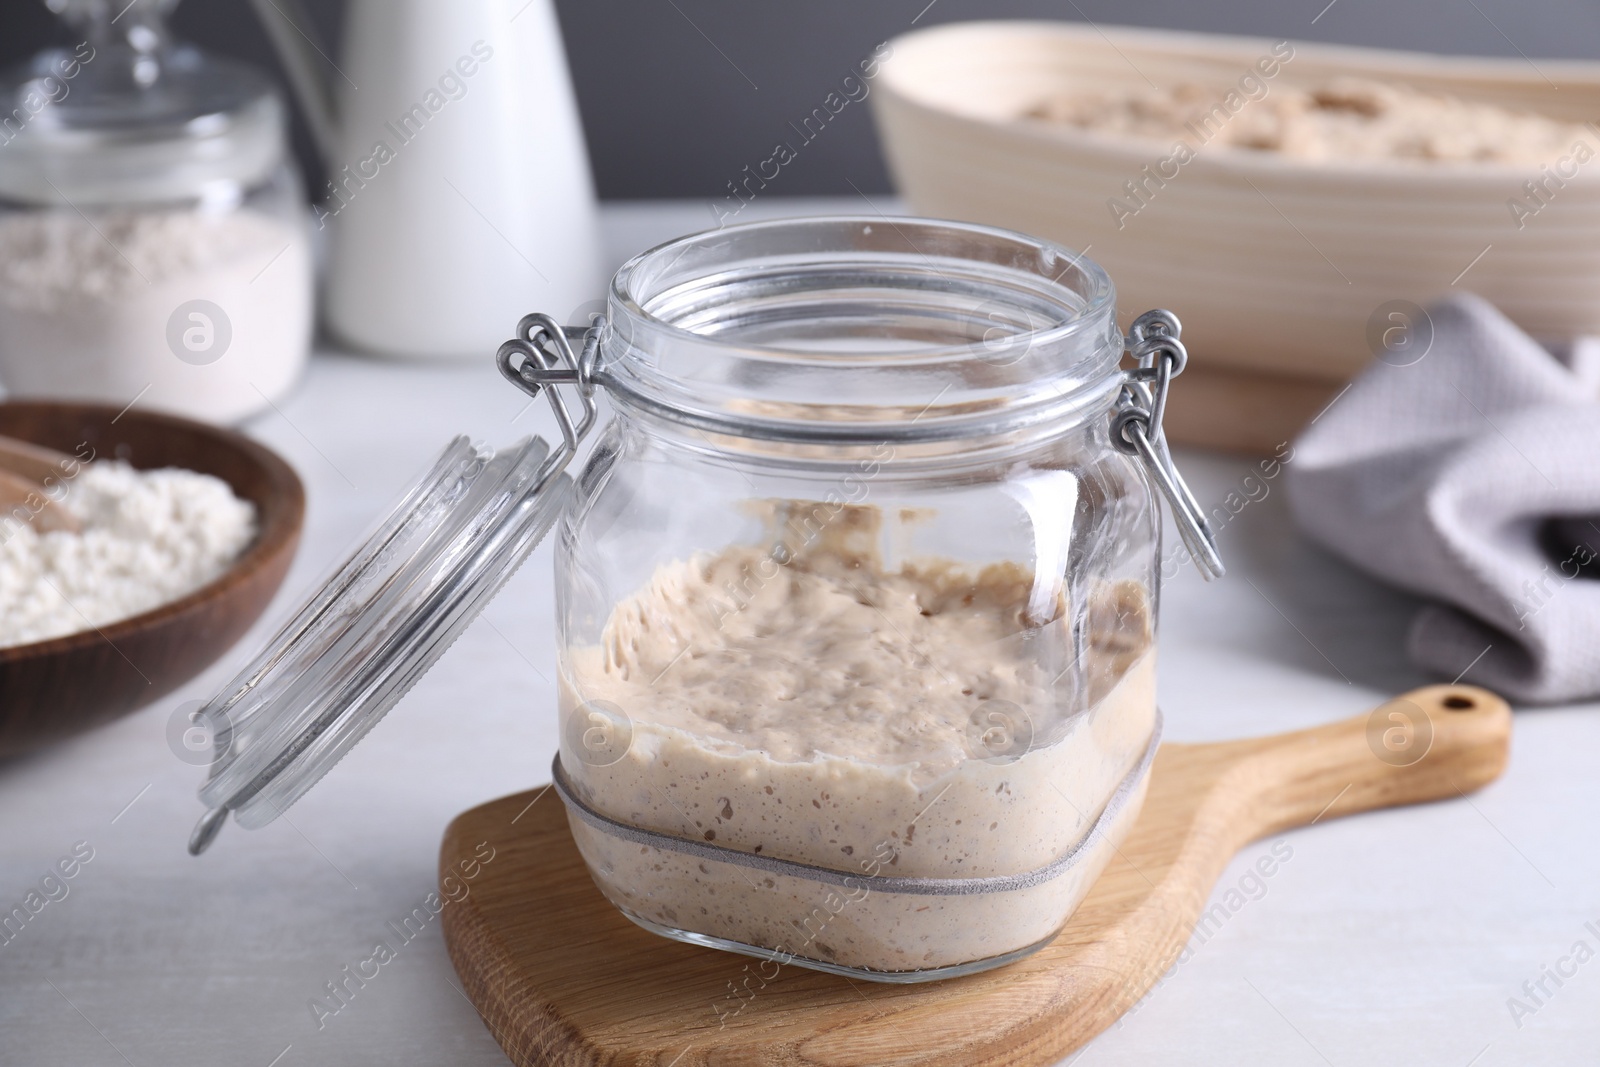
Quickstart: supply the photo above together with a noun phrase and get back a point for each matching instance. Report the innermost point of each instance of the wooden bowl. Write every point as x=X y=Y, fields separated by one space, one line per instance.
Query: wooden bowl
x=1276 y=266
x=50 y=690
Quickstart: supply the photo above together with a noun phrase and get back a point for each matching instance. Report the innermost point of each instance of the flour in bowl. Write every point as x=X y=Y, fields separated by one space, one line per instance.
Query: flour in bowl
x=149 y=538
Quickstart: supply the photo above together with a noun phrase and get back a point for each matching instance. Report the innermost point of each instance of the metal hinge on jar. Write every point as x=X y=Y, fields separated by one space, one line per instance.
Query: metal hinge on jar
x=1136 y=429
x=541 y=356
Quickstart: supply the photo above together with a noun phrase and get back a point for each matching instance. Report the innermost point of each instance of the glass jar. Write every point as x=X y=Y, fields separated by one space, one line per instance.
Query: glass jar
x=856 y=593
x=154 y=241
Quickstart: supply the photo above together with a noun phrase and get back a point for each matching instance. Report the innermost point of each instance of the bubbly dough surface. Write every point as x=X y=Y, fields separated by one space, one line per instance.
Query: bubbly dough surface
x=826 y=659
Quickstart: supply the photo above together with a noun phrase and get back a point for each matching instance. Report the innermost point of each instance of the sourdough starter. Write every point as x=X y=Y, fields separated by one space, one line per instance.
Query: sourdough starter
x=912 y=723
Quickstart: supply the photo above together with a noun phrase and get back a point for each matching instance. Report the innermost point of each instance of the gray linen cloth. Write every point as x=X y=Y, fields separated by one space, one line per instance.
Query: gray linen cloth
x=1472 y=476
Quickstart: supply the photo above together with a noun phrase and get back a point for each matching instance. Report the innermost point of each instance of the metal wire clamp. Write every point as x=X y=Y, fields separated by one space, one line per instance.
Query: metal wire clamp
x=1136 y=428
x=541 y=357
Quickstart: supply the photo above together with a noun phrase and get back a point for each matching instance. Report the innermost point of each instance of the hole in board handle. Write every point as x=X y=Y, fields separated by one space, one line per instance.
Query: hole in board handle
x=1457 y=702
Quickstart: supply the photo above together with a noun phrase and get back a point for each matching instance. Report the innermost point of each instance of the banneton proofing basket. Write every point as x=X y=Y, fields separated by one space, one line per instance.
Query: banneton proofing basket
x=1037 y=414
x=1279 y=264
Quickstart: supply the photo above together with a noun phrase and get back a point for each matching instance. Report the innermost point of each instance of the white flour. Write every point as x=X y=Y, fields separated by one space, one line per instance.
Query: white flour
x=149 y=538
x=85 y=308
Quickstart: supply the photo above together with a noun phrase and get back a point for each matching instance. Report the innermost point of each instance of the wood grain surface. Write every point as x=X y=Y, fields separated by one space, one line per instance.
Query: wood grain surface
x=53 y=689
x=30 y=459
x=561 y=977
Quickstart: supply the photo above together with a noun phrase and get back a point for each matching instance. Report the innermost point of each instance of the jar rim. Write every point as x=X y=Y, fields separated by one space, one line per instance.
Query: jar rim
x=1103 y=293
x=847 y=326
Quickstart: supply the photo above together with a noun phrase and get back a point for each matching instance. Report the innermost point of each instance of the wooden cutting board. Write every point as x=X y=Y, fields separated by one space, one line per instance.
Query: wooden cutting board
x=561 y=977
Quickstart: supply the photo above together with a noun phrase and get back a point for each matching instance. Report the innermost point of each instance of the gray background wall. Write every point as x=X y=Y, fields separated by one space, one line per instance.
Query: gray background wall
x=678 y=95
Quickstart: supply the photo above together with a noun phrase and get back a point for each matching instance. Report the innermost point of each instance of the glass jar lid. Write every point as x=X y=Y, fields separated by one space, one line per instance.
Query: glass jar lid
x=377 y=625
x=130 y=116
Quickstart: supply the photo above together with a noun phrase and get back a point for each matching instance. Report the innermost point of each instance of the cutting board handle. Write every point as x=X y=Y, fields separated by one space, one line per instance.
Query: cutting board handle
x=1435 y=743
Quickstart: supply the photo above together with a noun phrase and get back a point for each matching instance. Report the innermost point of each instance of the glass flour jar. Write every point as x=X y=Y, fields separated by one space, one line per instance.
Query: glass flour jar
x=154 y=243
x=856 y=592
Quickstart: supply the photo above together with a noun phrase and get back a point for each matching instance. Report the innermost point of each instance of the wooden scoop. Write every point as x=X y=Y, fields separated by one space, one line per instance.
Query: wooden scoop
x=24 y=499
x=561 y=976
x=35 y=462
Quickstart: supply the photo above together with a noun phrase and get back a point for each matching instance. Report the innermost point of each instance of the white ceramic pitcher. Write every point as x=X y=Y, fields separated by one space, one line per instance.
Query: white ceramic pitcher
x=460 y=195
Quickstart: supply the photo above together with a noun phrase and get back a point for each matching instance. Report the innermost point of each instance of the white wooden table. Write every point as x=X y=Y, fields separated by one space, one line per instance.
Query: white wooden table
x=1396 y=937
